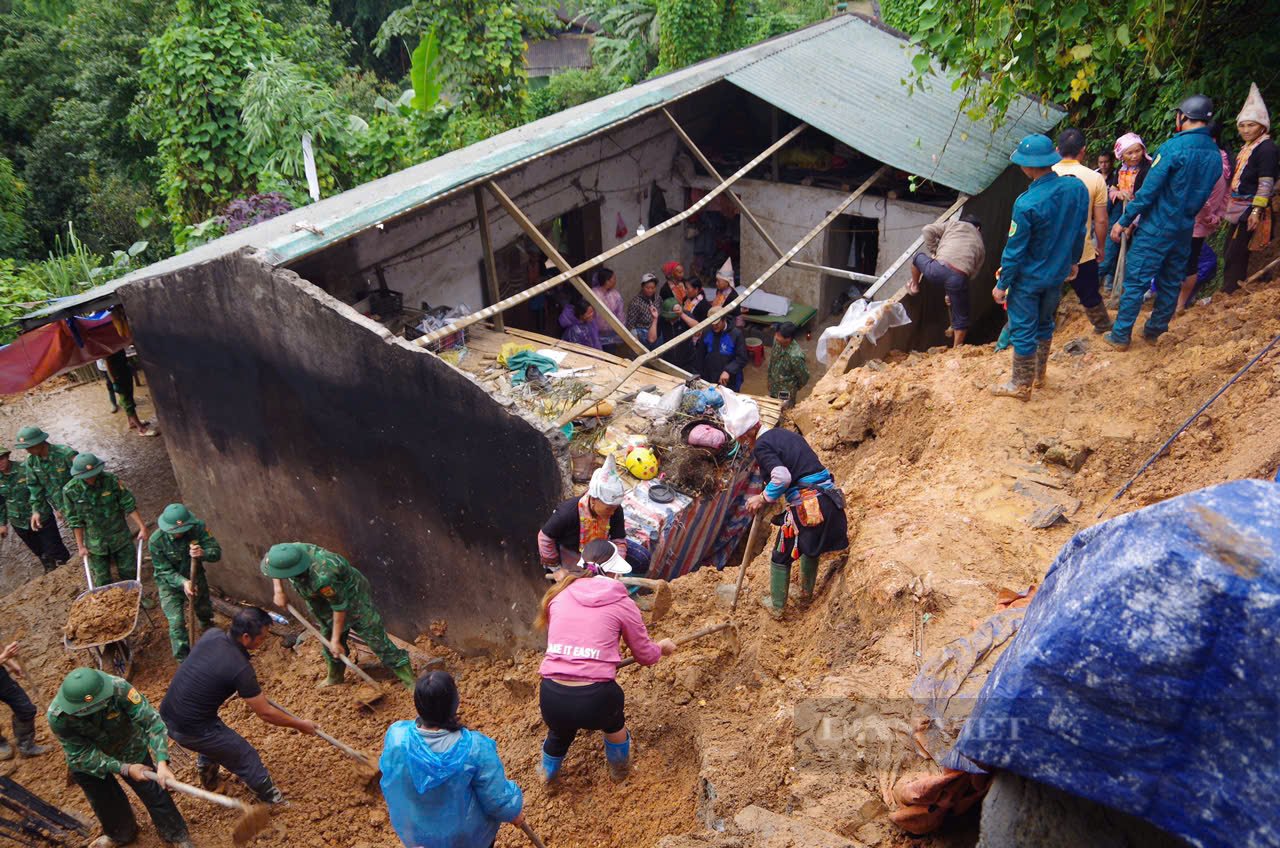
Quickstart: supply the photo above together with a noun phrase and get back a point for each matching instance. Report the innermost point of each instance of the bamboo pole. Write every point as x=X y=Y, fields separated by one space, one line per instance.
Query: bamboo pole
x=547 y=285
x=727 y=308
x=910 y=251
x=544 y=244
x=490 y=265
x=750 y=216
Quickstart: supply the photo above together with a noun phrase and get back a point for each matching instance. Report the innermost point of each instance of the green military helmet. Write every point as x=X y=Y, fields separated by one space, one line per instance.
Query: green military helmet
x=84 y=691
x=668 y=310
x=4 y=450
x=287 y=559
x=176 y=519
x=29 y=437
x=85 y=466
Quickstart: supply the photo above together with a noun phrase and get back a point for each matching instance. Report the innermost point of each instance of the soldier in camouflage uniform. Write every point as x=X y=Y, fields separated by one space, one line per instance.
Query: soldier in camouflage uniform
x=788 y=371
x=96 y=503
x=15 y=512
x=338 y=595
x=48 y=472
x=106 y=729
x=181 y=537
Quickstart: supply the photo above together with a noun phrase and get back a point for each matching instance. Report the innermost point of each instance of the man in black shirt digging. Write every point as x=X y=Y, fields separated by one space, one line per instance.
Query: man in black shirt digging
x=217 y=668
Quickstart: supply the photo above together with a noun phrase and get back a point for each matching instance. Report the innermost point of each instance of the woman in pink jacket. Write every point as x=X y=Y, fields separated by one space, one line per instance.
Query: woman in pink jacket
x=584 y=615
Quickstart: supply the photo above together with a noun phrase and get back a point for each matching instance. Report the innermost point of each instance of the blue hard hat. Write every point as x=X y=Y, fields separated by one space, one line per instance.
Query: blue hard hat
x=1035 y=151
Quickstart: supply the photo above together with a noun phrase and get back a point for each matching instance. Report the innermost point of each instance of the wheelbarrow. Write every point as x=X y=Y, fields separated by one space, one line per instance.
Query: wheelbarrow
x=114 y=654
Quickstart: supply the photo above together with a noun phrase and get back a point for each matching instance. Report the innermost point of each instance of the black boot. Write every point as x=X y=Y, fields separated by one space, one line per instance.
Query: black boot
x=25 y=732
x=1099 y=318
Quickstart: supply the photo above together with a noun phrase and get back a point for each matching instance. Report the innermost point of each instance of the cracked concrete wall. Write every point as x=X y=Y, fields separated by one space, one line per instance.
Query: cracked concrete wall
x=288 y=417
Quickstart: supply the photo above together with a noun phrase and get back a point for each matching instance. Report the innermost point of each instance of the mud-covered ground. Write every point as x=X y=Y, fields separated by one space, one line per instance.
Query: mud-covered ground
x=938 y=478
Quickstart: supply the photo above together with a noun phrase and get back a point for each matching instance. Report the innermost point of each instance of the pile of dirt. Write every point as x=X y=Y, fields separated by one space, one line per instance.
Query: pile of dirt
x=807 y=718
x=105 y=615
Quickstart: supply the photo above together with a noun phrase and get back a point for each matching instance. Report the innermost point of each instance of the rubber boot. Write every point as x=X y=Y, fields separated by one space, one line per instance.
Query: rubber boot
x=808 y=578
x=779 y=584
x=25 y=733
x=6 y=750
x=1099 y=318
x=1019 y=385
x=404 y=674
x=618 y=755
x=1004 y=341
x=551 y=767
x=337 y=673
x=1042 y=364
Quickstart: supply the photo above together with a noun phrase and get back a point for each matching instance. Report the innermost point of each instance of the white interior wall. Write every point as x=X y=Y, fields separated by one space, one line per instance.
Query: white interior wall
x=435 y=255
x=788 y=212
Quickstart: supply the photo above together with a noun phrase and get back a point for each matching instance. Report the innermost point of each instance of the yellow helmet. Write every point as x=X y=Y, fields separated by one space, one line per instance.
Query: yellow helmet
x=642 y=464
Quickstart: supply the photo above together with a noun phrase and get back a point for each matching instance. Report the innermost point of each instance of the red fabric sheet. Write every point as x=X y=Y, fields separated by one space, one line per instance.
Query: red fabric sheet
x=47 y=351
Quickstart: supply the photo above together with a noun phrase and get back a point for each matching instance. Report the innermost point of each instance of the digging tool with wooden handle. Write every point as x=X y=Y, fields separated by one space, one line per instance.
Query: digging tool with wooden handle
x=253 y=820
x=661 y=590
x=360 y=757
x=746 y=559
x=191 y=605
x=314 y=631
x=533 y=837
x=701 y=633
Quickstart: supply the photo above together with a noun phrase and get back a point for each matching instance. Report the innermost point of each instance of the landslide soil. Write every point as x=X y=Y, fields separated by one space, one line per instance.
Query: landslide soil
x=929 y=462
x=102 y=616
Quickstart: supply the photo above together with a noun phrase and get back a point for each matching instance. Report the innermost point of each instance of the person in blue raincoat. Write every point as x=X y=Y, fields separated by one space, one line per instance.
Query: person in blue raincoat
x=444 y=784
x=1046 y=237
x=1180 y=180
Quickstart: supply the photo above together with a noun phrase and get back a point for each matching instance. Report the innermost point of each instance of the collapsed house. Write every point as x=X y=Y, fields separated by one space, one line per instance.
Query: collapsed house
x=333 y=375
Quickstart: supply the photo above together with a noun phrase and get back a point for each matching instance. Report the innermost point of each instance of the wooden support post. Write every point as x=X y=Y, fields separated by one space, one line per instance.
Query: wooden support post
x=750 y=216
x=910 y=251
x=544 y=244
x=547 y=285
x=729 y=307
x=490 y=266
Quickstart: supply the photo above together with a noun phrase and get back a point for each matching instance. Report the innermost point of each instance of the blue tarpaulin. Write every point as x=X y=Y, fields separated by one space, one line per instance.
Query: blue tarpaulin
x=1146 y=675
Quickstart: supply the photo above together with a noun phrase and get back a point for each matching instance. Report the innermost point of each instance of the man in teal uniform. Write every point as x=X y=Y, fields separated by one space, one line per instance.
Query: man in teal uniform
x=48 y=471
x=1180 y=180
x=1046 y=237
x=107 y=729
x=96 y=504
x=338 y=596
x=181 y=538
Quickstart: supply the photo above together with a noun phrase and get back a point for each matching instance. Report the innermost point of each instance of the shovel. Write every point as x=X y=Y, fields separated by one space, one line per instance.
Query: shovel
x=701 y=633
x=533 y=837
x=191 y=606
x=376 y=694
x=253 y=819
x=661 y=594
x=746 y=558
x=368 y=769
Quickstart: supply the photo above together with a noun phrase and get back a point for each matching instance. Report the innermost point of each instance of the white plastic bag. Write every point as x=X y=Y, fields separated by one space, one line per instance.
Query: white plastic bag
x=873 y=320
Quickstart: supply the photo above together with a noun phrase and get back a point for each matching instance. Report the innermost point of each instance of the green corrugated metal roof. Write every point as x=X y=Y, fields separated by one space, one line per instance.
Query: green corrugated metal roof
x=847 y=82
x=841 y=75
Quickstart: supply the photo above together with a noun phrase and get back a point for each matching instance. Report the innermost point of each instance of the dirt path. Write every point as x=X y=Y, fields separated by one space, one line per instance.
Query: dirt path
x=935 y=470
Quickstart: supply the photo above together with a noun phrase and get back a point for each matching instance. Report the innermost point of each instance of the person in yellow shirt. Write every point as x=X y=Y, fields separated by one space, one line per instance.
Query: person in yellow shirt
x=1071 y=146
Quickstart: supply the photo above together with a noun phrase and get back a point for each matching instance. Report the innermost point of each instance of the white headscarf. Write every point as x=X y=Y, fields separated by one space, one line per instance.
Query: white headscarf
x=1254 y=109
x=606 y=486
x=726 y=271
